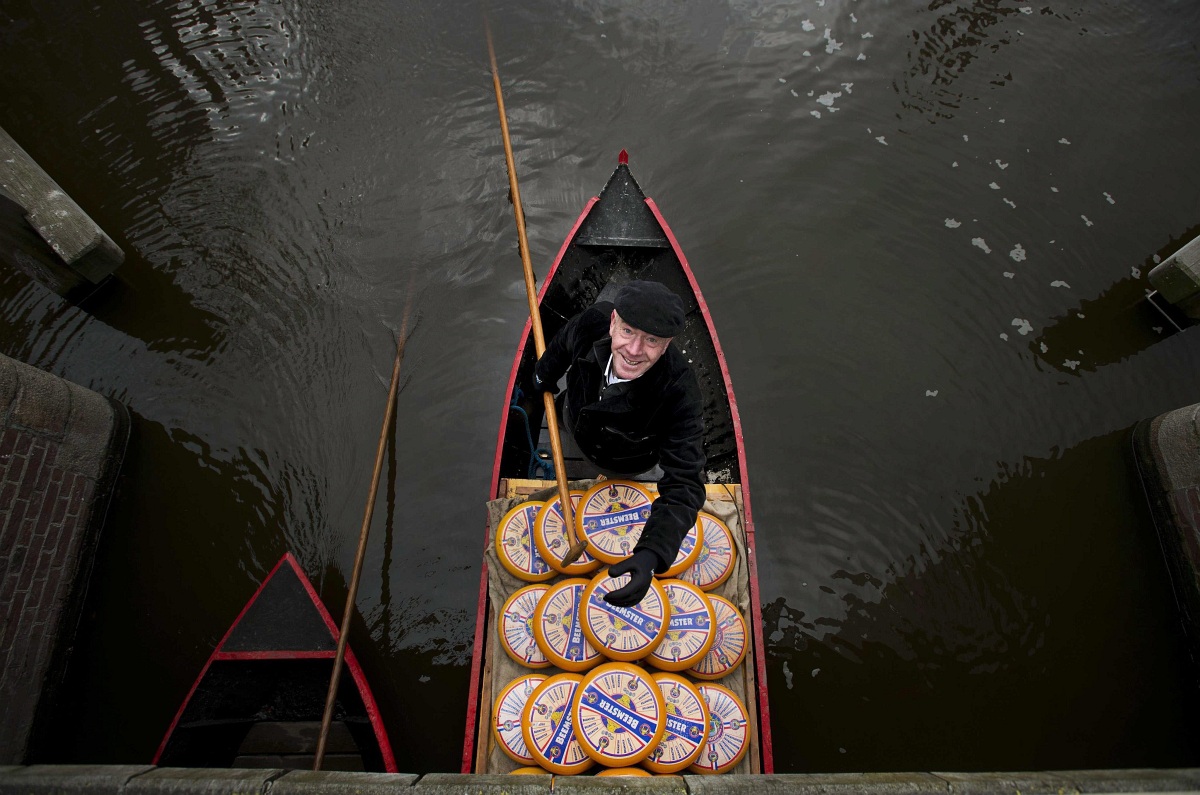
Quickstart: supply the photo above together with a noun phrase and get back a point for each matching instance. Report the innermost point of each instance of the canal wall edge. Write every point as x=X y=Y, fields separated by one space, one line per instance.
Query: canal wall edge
x=1166 y=449
x=132 y=779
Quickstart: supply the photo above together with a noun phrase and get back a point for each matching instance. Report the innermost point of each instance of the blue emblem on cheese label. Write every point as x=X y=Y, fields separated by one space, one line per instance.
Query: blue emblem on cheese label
x=619 y=714
x=691 y=631
x=549 y=728
x=687 y=725
x=612 y=515
x=558 y=627
x=624 y=633
x=515 y=546
x=728 y=730
x=516 y=627
x=552 y=540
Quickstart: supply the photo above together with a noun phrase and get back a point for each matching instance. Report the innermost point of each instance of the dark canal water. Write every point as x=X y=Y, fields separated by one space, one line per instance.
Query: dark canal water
x=922 y=228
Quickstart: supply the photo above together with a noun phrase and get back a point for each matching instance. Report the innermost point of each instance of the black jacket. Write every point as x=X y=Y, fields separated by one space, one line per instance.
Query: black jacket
x=630 y=426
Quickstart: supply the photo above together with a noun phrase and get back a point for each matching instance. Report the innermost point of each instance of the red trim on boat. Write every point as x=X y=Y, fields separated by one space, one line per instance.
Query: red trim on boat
x=227 y=656
x=764 y=709
x=360 y=680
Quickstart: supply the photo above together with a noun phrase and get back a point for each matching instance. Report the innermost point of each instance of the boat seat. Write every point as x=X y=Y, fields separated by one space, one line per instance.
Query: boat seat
x=292 y=745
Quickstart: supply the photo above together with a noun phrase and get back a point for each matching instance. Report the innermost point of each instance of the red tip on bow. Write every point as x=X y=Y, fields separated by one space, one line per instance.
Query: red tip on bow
x=623 y=158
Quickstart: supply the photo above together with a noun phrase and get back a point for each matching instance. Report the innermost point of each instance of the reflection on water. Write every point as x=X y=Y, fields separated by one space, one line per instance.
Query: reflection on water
x=993 y=627
x=896 y=212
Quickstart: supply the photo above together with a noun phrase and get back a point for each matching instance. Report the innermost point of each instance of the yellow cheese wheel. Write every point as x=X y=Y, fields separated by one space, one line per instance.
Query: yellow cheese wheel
x=558 y=626
x=514 y=544
x=619 y=714
x=624 y=633
x=551 y=538
x=689 y=551
x=717 y=557
x=506 y=716
x=691 y=630
x=515 y=626
x=622 y=771
x=687 y=725
x=549 y=729
x=529 y=771
x=730 y=645
x=611 y=517
x=728 y=730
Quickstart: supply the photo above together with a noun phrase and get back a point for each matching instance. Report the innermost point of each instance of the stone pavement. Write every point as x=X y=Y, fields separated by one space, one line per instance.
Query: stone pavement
x=60 y=448
x=133 y=779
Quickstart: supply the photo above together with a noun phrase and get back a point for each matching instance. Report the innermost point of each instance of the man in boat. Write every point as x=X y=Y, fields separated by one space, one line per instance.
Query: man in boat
x=634 y=409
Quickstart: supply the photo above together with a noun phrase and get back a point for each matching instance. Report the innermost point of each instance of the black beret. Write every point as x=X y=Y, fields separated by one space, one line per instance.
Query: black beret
x=651 y=307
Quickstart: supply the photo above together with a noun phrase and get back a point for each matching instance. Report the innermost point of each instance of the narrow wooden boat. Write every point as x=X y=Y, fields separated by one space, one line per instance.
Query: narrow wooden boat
x=620 y=235
x=259 y=700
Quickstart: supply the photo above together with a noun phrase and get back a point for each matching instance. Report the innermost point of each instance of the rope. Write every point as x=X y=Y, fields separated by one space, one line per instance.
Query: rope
x=541 y=461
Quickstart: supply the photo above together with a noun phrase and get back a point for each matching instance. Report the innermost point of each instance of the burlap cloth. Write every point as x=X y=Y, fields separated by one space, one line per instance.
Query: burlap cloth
x=501 y=585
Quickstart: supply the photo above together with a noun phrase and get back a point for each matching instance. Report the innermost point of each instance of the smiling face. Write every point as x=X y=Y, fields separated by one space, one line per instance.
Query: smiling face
x=634 y=351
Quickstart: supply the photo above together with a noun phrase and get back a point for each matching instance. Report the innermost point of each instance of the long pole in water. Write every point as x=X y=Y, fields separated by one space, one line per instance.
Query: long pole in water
x=344 y=634
x=535 y=317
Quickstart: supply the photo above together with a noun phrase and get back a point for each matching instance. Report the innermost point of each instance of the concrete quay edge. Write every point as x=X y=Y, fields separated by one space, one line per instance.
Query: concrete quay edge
x=132 y=779
x=83 y=246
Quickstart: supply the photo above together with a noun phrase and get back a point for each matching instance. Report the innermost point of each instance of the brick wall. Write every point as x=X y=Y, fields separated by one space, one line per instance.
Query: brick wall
x=59 y=447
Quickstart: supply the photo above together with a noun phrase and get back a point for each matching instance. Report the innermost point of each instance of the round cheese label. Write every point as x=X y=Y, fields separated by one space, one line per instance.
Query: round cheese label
x=717 y=555
x=619 y=714
x=728 y=730
x=624 y=633
x=687 y=725
x=558 y=626
x=549 y=730
x=611 y=516
x=688 y=552
x=515 y=547
x=730 y=645
x=552 y=540
x=690 y=631
x=516 y=626
x=506 y=716
x=622 y=771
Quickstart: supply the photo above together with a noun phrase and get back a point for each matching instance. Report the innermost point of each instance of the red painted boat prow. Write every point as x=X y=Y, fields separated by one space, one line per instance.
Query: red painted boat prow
x=259 y=700
x=620 y=235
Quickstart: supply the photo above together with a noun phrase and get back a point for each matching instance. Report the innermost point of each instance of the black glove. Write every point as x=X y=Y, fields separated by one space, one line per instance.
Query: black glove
x=640 y=567
x=538 y=386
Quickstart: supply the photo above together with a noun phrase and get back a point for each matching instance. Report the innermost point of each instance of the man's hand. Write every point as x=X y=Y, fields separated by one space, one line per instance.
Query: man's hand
x=538 y=386
x=640 y=568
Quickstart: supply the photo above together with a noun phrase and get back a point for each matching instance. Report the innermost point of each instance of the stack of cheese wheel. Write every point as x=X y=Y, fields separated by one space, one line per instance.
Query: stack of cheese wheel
x=552 y=540
x=616 y=713
x=717 y=557
x=515 y=547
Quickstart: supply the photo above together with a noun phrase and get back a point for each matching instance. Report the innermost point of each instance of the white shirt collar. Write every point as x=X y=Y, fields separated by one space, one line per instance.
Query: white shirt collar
x=610 y=376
